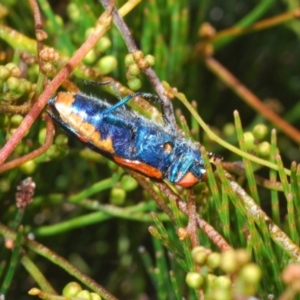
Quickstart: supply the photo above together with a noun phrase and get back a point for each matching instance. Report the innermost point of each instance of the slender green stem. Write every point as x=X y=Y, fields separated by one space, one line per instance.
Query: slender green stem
x=38 y=276
x=223 y=143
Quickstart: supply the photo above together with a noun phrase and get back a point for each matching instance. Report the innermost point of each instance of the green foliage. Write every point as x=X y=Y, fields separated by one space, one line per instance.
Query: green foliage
x=90 y=219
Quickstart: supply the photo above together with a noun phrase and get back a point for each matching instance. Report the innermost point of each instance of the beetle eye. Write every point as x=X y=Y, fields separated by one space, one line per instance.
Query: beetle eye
x=168 y=147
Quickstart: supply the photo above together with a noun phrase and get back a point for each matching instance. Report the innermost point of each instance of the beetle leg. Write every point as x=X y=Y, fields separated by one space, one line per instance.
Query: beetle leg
x=109 y=82
x=151 y=98
x=119 y=104
x=166 y=110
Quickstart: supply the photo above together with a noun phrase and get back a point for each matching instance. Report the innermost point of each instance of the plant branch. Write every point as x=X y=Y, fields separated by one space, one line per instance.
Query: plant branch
x=103 y=24
x=149 y=72
x=21 y=160
x=244 y=93
x=58 y=260
x=260 y=25
x=211 y=233
x=192 y=216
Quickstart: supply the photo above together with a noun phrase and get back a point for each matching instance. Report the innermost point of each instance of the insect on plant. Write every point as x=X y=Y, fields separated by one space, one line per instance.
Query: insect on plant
x=153 y=149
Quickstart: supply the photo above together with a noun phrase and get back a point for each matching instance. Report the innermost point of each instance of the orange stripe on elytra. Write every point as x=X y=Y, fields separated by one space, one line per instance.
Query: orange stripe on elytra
x=85 y=131
x=138 y=166
x=66 y=99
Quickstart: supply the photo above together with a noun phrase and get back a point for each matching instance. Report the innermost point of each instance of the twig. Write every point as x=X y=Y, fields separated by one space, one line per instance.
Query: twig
x=103 y=24
x=277 y=235
x=238 y=169
x=211 y=233
x=39 y=32
x=145 y=184
x=192 y=215
x=57 y=260
x=244 y=93
x=214 y=137
x=261 y=25
x=149 y=72
x=48 y=142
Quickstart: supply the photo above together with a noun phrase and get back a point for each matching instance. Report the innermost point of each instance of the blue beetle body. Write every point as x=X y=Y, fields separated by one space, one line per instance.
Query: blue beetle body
x=128 y=138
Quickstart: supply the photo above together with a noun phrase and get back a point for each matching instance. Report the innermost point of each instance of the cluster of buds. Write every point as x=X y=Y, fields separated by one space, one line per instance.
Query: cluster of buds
x=135 y=62
x=240 y=279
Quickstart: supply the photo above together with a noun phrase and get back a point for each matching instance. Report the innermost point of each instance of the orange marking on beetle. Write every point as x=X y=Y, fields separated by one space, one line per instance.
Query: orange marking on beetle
x=105 y=145
x=139 y=166
x=168 y=147
x=72 y=119
x=86 y=132
x=63 y=102
x=87 y=129
x=64 y=99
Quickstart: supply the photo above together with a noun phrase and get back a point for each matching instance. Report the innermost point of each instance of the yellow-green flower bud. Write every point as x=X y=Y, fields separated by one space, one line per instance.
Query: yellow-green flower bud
x=72 y=289
x=61 y=140
x=128 y=183
x=117 y=196
x=103 y=44
x=28 y=167
x=4 y=73
x=107 y=64
x=88 y=32
x=13 y=83
x=242 y=257
x=250 y=273
x=95 y=296
x=53 y=151
x=129 y=60
x=220 y=294
x=249 y=141
x=211 y=279
x=199 y=255
x=194 y=280
x=260 y=131
x=14 y=70
x=4 y=185
x=16 y=120
x=213 y=260
x=138 y=55
x=74 y=12
x=25 y=86
x=228 y=262
x=42 y=136
x=90 y=57
x=84 y=294
x=47 y=68
x=229 y=129
x=222 y=282
x=134 y=83
x=263 y=149
x=134 y=70
x=150 y=59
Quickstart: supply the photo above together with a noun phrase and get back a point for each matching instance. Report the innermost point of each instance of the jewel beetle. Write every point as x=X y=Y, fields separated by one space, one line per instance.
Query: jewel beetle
x=131 y=140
